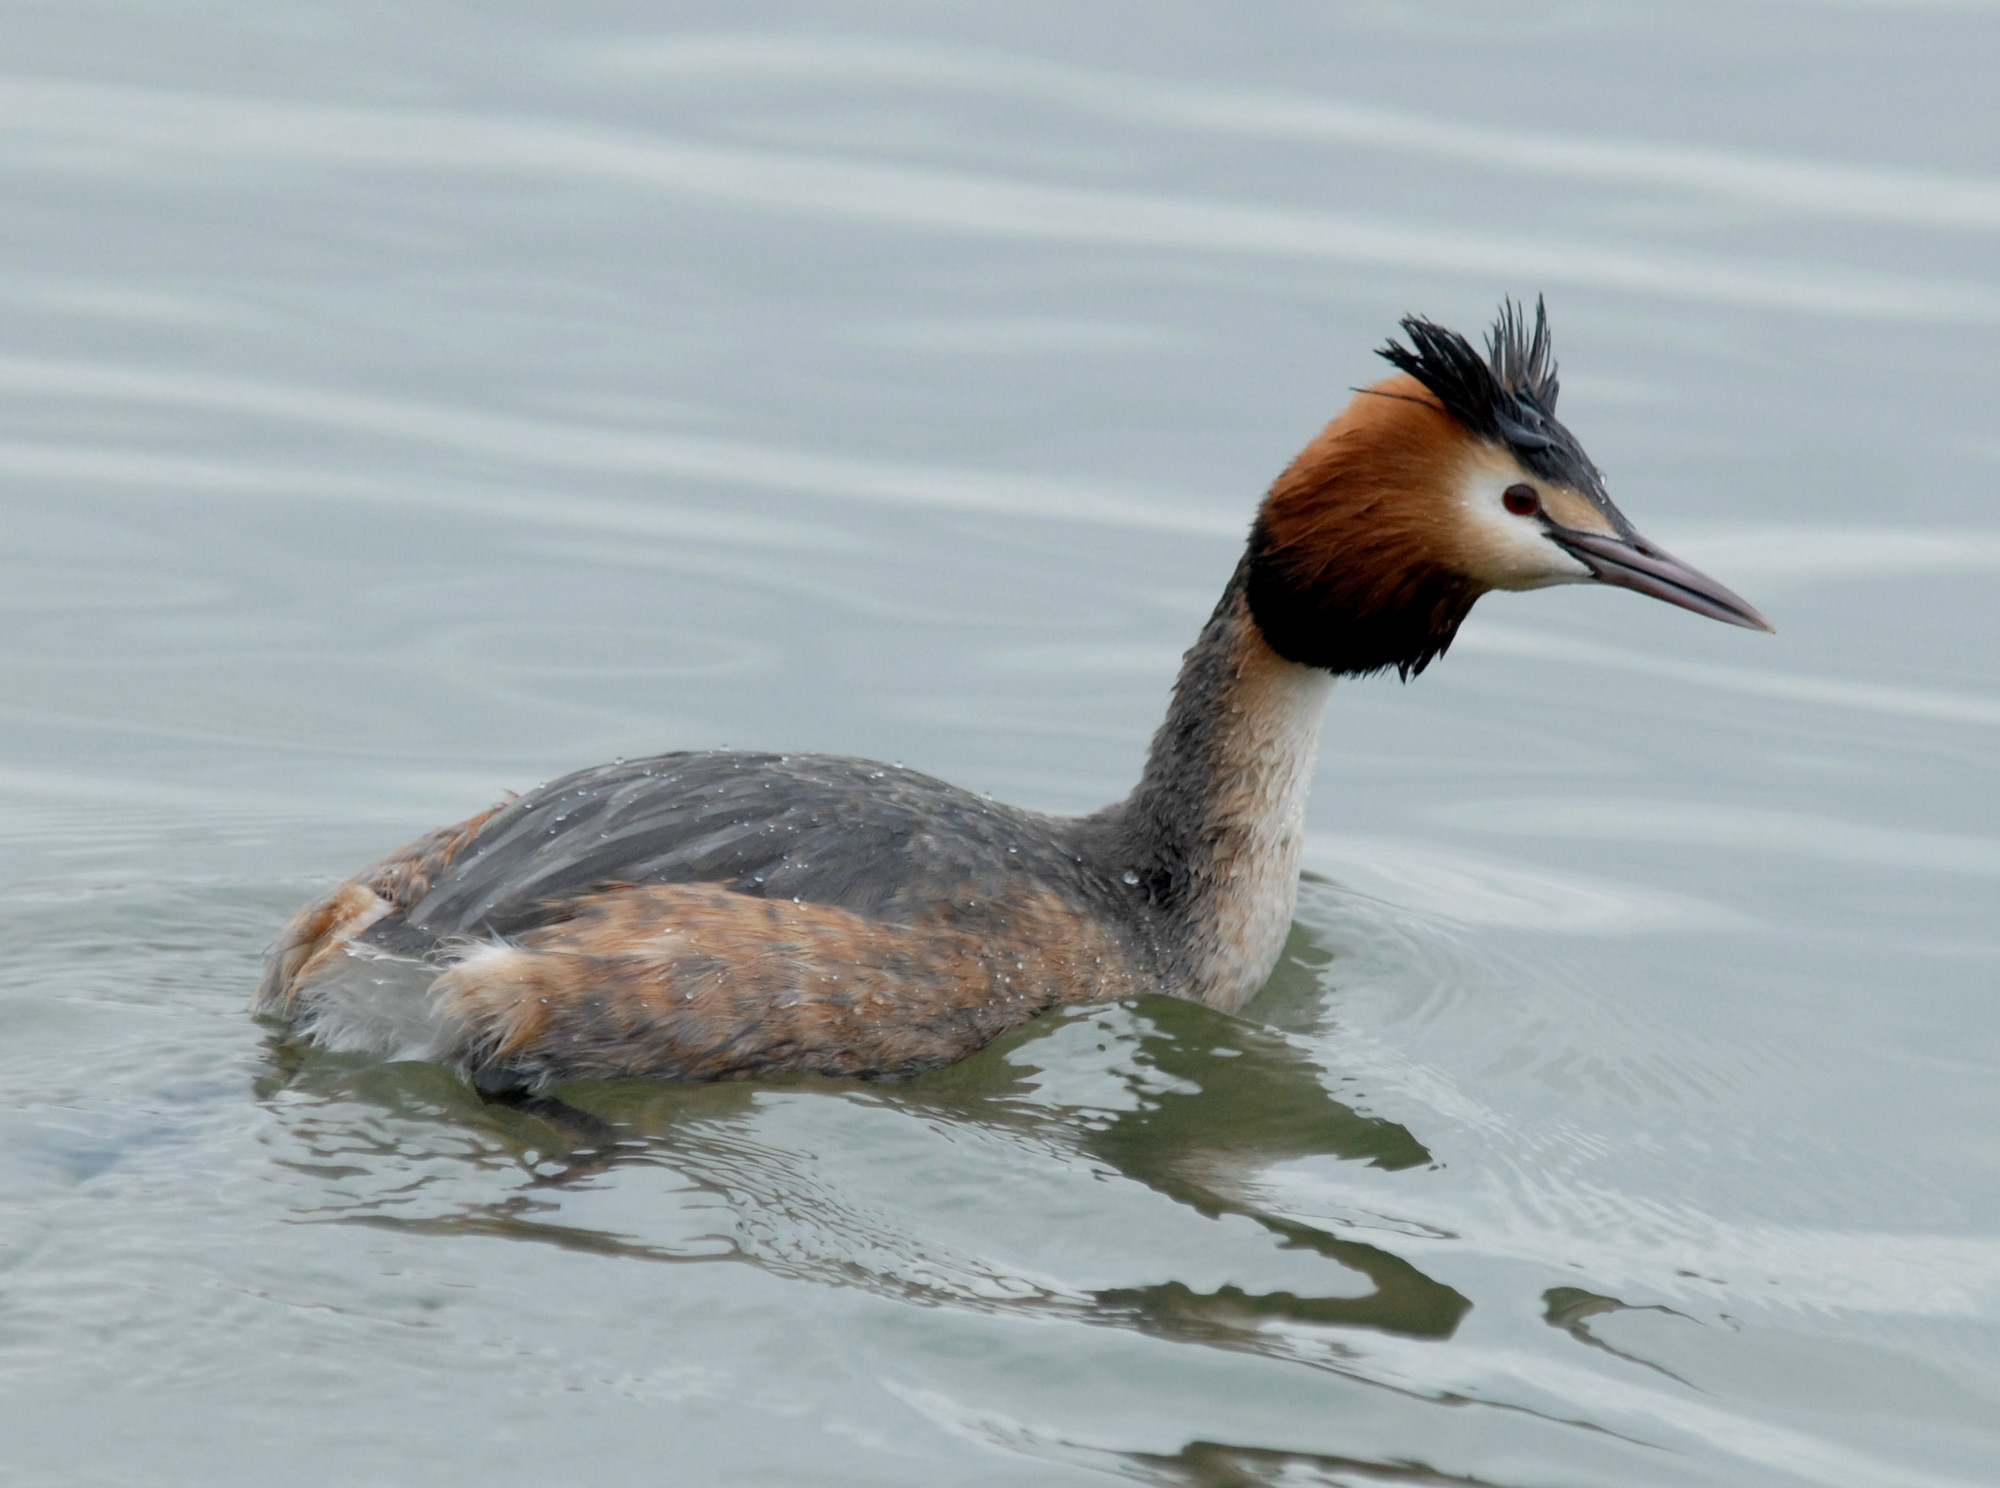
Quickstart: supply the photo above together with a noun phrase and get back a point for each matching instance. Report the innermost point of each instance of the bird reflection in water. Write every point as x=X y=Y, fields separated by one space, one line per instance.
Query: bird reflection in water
x=1217 y=1101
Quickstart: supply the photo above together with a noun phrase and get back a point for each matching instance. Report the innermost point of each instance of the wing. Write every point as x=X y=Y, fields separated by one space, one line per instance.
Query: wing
x=879 y=840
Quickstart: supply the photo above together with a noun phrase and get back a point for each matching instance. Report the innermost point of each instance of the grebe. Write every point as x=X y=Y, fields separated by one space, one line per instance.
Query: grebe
x=696 y=916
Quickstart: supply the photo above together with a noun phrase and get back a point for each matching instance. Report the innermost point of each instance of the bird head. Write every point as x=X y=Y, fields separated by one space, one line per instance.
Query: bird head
x=1452 y=478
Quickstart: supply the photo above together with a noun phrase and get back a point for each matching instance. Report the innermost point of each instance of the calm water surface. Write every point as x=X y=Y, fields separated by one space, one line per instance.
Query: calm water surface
x=404 y=404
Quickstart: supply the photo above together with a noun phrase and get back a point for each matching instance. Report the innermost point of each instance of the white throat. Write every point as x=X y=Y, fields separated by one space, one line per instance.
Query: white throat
x=1250 y=885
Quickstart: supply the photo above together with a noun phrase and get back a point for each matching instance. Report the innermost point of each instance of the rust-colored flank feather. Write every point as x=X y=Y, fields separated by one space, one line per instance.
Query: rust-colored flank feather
x=712 y=915
x=704 y=982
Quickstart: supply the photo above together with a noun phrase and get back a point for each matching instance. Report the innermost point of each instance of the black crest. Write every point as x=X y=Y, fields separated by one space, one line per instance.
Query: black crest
x=1507 y=396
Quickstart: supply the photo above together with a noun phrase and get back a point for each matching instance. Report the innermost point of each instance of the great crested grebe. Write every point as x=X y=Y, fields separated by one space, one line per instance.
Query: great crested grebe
x=702 y=915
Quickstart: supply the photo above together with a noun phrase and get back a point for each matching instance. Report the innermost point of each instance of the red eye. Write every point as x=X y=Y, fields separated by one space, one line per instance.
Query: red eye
x=1522 y=501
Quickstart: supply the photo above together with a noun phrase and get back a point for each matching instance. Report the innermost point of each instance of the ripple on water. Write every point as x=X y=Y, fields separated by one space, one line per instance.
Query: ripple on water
x=1297 y=1178
x=1311 y=1201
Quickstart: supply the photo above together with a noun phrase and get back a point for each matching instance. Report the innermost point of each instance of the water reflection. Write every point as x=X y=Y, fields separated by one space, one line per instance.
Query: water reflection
x=1205 y=1464
x=1188 y=1103
x=1221 y=1100
x=1572 y=1308
x=1199 y=1463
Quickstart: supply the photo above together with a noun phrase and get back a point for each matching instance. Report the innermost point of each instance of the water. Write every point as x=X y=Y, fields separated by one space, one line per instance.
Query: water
x=407 y=404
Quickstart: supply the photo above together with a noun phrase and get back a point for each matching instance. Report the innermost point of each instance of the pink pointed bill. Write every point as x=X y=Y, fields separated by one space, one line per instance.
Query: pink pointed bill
x=1639 y=565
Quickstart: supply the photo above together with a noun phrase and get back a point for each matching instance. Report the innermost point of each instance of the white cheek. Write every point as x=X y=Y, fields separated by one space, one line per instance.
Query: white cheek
x=1511 y=552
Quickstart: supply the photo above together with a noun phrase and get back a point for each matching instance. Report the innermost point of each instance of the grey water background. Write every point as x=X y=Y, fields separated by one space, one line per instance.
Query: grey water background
x=403 y=404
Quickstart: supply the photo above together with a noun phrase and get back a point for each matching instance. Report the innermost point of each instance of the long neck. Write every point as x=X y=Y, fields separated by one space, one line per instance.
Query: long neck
x=1217 y=824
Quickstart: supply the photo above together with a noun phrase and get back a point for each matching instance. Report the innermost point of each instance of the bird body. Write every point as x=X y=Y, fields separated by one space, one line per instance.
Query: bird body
x=707 y=915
